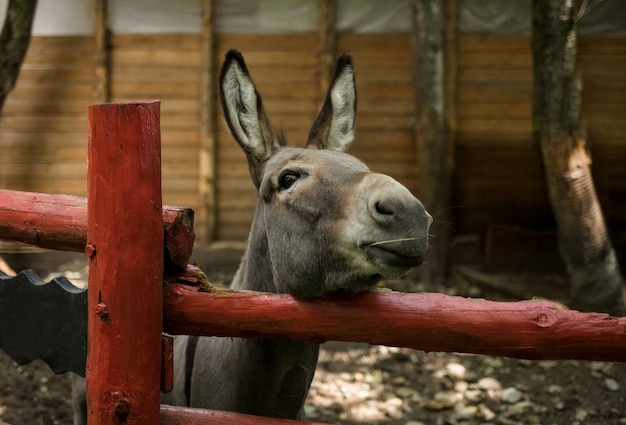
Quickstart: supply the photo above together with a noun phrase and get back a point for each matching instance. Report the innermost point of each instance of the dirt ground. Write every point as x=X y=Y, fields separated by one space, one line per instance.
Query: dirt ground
x=363 y=384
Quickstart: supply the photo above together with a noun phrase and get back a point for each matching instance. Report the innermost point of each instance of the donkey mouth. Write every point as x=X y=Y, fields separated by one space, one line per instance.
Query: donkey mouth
x=397 y=256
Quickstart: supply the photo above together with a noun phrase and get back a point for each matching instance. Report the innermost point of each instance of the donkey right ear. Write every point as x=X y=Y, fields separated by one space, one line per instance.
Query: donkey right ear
x=333 y=128
x=244 y=112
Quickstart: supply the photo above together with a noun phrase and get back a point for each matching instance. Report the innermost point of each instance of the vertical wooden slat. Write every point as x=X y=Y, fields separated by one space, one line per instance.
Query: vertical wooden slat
x=125 y=250
x=451 y=53
x=102 y=57
x=207 y=183
x=433 y=147
x=328 y=44
x=450 y=62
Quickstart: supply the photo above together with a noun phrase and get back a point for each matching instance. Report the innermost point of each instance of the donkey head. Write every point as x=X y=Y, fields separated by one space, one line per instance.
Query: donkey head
x=324 y=221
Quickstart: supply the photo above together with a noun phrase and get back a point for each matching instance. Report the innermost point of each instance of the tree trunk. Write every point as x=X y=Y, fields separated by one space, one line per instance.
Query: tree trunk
x=587 y=252
x=14 y=41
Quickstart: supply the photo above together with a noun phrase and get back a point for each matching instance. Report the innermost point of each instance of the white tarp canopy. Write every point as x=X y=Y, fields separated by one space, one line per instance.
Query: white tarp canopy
x=60 y=17
x=258 y=16
x=514 y=17
x=76 y=17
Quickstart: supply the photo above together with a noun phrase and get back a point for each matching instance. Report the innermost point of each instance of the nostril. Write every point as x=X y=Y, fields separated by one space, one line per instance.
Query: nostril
x=384 y=209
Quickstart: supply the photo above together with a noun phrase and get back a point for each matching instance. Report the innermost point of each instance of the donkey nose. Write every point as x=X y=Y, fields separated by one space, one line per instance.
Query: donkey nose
x=384 y=207
x=393 y=206
x=389 y=210
x=384 y=210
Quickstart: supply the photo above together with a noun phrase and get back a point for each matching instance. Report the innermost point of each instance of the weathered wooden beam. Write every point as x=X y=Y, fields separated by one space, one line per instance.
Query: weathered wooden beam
x=172 y=415
x=207 y=172
x=125 y=241
x=327 y=45
x=435 y=154
x=102 y=53
x=451 y=68
x=60 y=222
x=431 y=322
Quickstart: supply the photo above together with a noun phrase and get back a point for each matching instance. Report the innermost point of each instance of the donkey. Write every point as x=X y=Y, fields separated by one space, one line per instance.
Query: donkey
x=323 y=223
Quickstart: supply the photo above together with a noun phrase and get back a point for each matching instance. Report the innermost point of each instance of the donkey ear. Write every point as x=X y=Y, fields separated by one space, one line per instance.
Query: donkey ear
x=333 y=128
x=244 y=113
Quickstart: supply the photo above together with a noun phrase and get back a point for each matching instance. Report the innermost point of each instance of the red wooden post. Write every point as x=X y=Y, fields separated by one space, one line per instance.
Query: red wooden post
x=125 y=248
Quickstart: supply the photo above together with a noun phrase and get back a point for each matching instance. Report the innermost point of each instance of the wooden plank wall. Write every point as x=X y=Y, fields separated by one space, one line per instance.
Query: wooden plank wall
x=285 y=71
x=43 y=127
x=499 y=173
x=385 y=128
x=165 y=67
x=498 y=178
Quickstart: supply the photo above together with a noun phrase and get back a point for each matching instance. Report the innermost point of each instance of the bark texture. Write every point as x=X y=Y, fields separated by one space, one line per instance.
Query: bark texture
x=584 y=244
x=14 y=41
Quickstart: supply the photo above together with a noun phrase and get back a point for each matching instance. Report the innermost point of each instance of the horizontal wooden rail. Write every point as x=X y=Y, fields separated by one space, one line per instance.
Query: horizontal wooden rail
x=172 y=415
x=431 y=322
x=60 y=222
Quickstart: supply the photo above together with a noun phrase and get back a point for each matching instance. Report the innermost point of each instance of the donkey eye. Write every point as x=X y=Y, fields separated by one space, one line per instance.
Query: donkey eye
x=287 y=179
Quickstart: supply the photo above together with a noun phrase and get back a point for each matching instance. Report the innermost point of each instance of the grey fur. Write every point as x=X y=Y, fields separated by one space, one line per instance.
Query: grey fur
x=323 y=223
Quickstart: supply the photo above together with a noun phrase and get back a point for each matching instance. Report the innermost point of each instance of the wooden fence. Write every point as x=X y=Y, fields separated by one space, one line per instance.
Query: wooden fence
x=129 y=305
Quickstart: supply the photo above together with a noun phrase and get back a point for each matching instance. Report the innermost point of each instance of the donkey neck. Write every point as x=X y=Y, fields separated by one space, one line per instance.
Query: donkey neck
x=255 y=270
x=288 y=366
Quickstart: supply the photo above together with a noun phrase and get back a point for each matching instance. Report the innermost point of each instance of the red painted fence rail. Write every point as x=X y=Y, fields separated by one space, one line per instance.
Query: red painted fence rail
x=60 y=222
x=431 y=322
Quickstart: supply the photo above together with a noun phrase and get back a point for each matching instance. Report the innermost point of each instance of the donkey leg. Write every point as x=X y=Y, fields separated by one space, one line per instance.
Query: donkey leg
x=293 y=389
x=79 y=399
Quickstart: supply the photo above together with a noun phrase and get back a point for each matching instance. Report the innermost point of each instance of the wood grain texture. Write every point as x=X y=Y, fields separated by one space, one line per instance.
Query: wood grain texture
x=60 y=222
x=431 y=322
x=125 y=236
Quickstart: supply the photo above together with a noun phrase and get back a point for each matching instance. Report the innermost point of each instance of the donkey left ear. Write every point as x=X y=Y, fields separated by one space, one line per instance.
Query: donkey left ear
x=333 y=128
x=245 y=115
